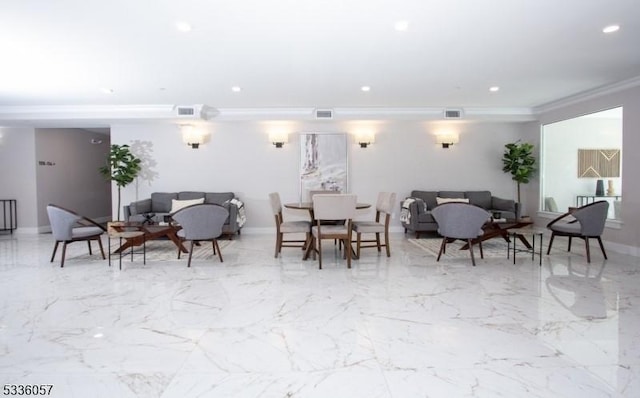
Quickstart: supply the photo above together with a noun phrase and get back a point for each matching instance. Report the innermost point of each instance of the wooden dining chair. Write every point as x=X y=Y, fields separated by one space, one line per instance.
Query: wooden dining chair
x=287 y=227
x=333 y=207
x=384 y=208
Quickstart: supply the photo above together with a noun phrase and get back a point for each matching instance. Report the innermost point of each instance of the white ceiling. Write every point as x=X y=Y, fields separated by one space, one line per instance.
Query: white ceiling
x=304 y=53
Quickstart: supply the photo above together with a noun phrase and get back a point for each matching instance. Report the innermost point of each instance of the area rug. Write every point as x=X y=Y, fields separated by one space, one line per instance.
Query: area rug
x=156 y=250
x=492 y=248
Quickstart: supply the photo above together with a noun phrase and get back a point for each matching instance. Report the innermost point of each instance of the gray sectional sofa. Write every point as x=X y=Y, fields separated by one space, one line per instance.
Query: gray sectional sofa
x=415 y=212
x=159 y=206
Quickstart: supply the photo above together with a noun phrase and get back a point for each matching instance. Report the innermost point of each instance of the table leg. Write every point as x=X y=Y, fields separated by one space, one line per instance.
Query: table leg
x=514 y=248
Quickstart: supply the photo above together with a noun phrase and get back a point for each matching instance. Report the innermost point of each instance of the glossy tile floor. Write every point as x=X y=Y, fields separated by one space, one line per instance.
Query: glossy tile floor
x=255 y=326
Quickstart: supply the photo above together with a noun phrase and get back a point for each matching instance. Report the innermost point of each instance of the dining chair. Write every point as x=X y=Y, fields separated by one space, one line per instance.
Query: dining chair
x=588 y=222
x=68 y=226
x=384 y=209
x=333 y=207
x=287 y=227
x=201 y=222
x=460 y=221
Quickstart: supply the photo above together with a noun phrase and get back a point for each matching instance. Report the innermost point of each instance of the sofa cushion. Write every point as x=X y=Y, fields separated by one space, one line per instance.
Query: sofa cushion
x=181 y=204
x=451 y=194
x=480 y=198
x=140 y=207
x=502 y=204
x=161 y=201
x=425 y=217
x=429 y=197
x=218 y=197
x=190 y=195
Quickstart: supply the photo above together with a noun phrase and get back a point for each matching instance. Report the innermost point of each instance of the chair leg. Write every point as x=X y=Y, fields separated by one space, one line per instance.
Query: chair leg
x=481 y=253
x=55 y=248
x=378 y=242
x=347 y=248
x=319 y=253
x=215 y=244
x=569 y=247
x=89 y=245
x=442 y=248
x=602 y=248
x=553 y=235
x=190 y=253
x=64 y=252
x=473 y=260
x=358 y=243
x=101 y=248
x=386 y=243
x=278 y=244
x=586 y=243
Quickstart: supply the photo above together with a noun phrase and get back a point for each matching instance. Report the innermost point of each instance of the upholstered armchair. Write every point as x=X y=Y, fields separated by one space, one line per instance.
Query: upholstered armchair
x=68 y=227
x=460 y=221
x=584 y=222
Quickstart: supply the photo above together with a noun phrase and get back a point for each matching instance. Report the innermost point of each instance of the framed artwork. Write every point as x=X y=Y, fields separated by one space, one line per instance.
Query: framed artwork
x=598 y=163
x=323 y=163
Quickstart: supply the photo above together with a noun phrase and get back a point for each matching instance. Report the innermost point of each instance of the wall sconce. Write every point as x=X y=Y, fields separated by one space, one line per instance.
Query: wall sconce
x=365 y=139
x=278 y=139
x=447 y=139
x=191 y=136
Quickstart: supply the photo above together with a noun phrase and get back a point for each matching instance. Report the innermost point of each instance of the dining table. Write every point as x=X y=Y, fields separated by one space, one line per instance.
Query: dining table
x=308 y=206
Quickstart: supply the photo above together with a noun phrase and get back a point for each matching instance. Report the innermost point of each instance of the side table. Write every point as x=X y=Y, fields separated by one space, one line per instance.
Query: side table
x=112 y=234
x=519 y=234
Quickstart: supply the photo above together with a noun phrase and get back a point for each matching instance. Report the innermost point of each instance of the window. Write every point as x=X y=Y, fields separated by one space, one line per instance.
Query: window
x=579 y=156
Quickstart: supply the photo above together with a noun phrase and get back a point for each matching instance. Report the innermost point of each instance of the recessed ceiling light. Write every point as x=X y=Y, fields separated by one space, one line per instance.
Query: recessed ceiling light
x=183 y=26
x=107 y=90
x=611 y=29
x=402 y=26
x=236 y=89
x=493 y=89
x=365 y=88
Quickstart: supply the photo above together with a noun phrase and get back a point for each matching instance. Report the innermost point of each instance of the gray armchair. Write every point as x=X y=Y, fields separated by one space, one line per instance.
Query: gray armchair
x=588 y=223
x=68 y=227
x=460 y=221
x=201 y=222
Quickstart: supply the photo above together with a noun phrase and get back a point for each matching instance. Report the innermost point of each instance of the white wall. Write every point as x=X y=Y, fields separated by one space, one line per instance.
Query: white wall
x=17 y=174
x=240 y=158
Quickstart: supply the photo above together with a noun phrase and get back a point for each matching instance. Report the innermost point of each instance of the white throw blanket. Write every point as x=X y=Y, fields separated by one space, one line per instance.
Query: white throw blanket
x=405 y=215
x=241 y=218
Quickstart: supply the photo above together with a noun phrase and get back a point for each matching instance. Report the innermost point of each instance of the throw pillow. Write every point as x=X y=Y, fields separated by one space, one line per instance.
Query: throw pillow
x=451 y=200
x=180 y=204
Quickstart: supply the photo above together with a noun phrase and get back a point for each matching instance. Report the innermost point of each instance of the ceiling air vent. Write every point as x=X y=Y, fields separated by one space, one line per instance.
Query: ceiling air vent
x=324 y=114
x=186 y=111
x=453 y=113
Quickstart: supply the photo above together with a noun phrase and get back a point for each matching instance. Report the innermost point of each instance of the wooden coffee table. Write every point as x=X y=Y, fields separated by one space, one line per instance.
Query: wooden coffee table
x=151 y=232
x=495 y=229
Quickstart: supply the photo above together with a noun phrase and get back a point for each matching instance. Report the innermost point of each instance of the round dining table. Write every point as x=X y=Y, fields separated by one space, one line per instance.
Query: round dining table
x=309 y=207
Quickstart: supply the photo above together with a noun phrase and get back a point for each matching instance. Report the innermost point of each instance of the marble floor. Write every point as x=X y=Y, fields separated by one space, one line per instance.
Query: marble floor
x=256 y=326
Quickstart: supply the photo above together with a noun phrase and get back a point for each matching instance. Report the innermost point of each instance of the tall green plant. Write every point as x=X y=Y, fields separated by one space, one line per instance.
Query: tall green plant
x=122 y=167
x=519 y=161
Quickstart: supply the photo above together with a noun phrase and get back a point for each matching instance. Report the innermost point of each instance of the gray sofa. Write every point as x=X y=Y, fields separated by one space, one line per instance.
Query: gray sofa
x=415 y=213
x=159 y=206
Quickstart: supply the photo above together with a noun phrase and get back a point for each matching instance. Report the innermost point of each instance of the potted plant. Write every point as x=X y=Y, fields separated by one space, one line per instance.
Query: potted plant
x=122 y=167
x=518 y=160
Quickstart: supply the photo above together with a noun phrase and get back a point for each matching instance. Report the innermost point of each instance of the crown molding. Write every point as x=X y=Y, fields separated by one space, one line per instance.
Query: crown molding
x=106 y=115
x=588 y=95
